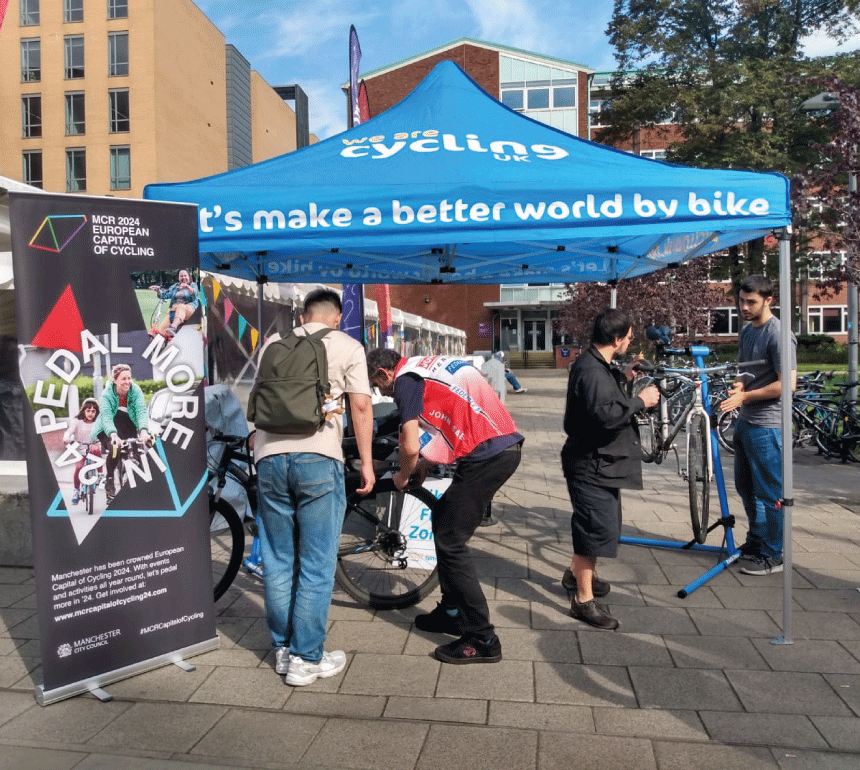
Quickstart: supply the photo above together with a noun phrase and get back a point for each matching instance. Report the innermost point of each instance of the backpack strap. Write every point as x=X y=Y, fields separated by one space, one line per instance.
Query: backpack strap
x=322 y=357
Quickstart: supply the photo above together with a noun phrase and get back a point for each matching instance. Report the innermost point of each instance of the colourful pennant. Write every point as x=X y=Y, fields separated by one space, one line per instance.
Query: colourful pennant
x=255 y=335
x=228 y=310
x=216 y=290
x=242 y=324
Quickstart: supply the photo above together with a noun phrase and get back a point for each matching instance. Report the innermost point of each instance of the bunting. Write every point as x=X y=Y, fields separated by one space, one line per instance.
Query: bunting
x=3 y=4
x=229 y=312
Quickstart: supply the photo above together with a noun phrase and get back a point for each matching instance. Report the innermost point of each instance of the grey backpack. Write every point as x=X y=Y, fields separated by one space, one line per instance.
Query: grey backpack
x=291 y=386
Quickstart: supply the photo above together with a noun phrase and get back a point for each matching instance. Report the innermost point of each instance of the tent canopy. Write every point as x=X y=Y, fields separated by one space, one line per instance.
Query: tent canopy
x=451 y=186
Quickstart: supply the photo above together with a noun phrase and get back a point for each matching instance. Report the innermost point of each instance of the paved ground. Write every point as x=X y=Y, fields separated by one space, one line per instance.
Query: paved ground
x=685 y=684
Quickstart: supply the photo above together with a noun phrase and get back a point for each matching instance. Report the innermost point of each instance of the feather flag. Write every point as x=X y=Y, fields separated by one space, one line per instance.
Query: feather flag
x=3 y=5
x=354 y=59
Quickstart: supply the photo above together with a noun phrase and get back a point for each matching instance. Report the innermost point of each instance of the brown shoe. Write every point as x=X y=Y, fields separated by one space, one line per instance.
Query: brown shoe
x=594 y=614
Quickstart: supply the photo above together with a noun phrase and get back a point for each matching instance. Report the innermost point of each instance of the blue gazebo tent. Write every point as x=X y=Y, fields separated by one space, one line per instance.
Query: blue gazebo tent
x=451 y=186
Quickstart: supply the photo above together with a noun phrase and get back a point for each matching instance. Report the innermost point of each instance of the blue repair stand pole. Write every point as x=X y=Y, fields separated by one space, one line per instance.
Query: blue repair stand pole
x=732 y=554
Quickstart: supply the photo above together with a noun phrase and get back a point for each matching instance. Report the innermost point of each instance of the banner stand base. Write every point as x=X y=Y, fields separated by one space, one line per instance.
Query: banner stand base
x=94 y=684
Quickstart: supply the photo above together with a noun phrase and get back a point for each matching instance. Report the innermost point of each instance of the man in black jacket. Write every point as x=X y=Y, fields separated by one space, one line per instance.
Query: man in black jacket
x=600 y=457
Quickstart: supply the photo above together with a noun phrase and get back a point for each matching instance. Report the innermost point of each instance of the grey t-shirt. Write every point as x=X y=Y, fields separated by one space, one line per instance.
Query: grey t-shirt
x=757 y=343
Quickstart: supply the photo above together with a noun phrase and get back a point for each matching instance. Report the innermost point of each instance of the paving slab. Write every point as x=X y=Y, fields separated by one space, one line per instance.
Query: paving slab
x=763 y=729
x=478 y=748
x=559 y=751
x=781 y=692
x=348 y=743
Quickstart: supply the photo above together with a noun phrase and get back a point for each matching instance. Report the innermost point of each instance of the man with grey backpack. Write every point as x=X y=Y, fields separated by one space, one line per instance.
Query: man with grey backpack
x=301 y=381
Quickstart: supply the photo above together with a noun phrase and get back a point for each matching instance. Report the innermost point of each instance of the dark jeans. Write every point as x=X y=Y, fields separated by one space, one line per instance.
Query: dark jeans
x=459 y=514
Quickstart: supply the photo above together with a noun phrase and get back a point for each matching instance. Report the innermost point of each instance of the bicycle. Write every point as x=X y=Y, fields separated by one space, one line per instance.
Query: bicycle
x=130 y=450
x=657 y=431
x=88 y=490
x=385 y=557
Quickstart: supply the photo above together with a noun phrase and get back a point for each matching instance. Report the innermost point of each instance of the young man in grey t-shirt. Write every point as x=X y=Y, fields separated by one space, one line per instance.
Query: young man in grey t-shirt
x=758 y=432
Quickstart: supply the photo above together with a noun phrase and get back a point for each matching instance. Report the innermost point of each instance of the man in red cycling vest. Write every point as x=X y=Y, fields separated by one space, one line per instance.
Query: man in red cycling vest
x=449 y=414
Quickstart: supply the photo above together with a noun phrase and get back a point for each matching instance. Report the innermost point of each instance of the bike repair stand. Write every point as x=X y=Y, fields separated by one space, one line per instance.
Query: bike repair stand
x=727 y=521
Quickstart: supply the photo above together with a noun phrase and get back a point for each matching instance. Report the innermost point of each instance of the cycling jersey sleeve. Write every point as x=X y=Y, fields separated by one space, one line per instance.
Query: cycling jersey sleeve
x=409 y=397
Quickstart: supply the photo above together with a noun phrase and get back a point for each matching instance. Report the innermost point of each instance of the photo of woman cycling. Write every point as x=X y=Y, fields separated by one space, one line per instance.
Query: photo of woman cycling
x=81 y=430
x=184 y=298
x=122 y=416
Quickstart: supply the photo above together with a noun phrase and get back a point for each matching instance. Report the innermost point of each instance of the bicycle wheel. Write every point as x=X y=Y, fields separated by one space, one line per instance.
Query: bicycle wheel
x=698 y=480
x=386 y=558
x=648 y=436
x=90 y=498
x=726 y=429
x=227 y=542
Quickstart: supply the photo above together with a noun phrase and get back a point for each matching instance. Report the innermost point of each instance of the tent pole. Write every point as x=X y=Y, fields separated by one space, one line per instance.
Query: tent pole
x=785 y=300
x=262 y=280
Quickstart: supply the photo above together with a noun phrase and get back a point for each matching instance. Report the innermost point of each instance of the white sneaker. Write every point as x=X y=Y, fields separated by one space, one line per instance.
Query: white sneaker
x=522 y=390
x=282 y=659
x=302 y=672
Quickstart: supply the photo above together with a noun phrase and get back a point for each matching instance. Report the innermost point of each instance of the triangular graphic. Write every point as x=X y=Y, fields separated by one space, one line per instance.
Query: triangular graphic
x=63 y=326
x=242 y=325
x=56 y=231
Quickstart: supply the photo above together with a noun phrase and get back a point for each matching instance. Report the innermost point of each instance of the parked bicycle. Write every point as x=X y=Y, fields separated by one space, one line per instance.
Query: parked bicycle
x=658 y=431
x=386 y=558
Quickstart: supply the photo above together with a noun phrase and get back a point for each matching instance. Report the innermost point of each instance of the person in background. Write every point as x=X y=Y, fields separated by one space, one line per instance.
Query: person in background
x=184 y=298
x=302 y=504
x=81 y=431
x=509 y=375
x=600 y=457
x=757 y=438
x=463 y=423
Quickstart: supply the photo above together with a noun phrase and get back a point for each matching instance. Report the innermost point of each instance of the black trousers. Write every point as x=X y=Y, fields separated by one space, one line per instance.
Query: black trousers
x=455 y=520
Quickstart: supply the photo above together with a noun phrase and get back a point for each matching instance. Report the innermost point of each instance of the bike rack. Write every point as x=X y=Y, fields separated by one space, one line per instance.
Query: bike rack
x=732 y=554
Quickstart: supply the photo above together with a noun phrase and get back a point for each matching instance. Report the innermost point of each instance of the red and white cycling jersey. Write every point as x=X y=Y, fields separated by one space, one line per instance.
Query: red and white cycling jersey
x=461 y=410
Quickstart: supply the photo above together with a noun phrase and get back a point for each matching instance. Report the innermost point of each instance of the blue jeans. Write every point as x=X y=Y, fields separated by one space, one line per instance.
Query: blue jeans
x=302 y=503
x=515 y=383
x=758 y=480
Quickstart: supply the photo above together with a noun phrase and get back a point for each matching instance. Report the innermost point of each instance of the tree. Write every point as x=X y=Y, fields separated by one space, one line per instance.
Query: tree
x=730 y=75
x=678 y=297
x=823 y=201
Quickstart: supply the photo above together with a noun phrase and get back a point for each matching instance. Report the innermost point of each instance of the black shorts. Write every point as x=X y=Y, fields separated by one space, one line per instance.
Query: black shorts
x=595 y=525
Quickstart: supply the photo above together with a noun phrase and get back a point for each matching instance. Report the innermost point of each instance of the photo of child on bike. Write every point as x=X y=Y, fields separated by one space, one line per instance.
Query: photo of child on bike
x=81 y=431
x=184 y=299
x=122 y=421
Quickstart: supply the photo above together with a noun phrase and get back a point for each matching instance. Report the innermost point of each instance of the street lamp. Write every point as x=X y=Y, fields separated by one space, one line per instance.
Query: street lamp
x=829 y=102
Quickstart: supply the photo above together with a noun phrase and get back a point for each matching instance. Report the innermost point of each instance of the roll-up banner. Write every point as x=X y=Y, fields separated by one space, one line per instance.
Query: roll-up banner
x=111 y=359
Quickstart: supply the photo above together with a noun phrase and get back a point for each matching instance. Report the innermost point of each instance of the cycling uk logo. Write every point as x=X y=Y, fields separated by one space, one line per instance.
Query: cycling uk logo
x=57 y=231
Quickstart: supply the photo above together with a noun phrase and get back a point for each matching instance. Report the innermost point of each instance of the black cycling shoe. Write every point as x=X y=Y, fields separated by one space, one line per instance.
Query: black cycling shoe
x=470 y=649
x=598 y=587
x=594 y=614
x=439 y=622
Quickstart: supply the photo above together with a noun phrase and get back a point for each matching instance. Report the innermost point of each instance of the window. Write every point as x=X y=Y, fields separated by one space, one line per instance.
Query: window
x=654 y=154
x=117 y=9
x=75 y=114
x=73 y=10
x=118 y=53
x=33 y=168
x=31 y=61
x=724 y=320
x=827 y=320
x=31 y=116
x=120 y=168
x=76 y=170
x=118 y=110
x=74 y=57
x=29 y=13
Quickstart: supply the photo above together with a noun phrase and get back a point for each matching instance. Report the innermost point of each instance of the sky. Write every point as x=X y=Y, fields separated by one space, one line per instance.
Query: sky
x=307 y=43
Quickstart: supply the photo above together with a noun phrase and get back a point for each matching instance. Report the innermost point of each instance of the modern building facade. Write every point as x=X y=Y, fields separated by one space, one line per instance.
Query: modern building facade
x=107 y=96
x=552 y=91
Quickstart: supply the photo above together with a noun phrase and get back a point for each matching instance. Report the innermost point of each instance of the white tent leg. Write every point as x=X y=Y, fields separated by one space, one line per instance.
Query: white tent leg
x=785 y=303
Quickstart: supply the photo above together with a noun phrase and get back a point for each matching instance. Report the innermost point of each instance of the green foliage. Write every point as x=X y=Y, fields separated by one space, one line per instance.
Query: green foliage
x=815 y=341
